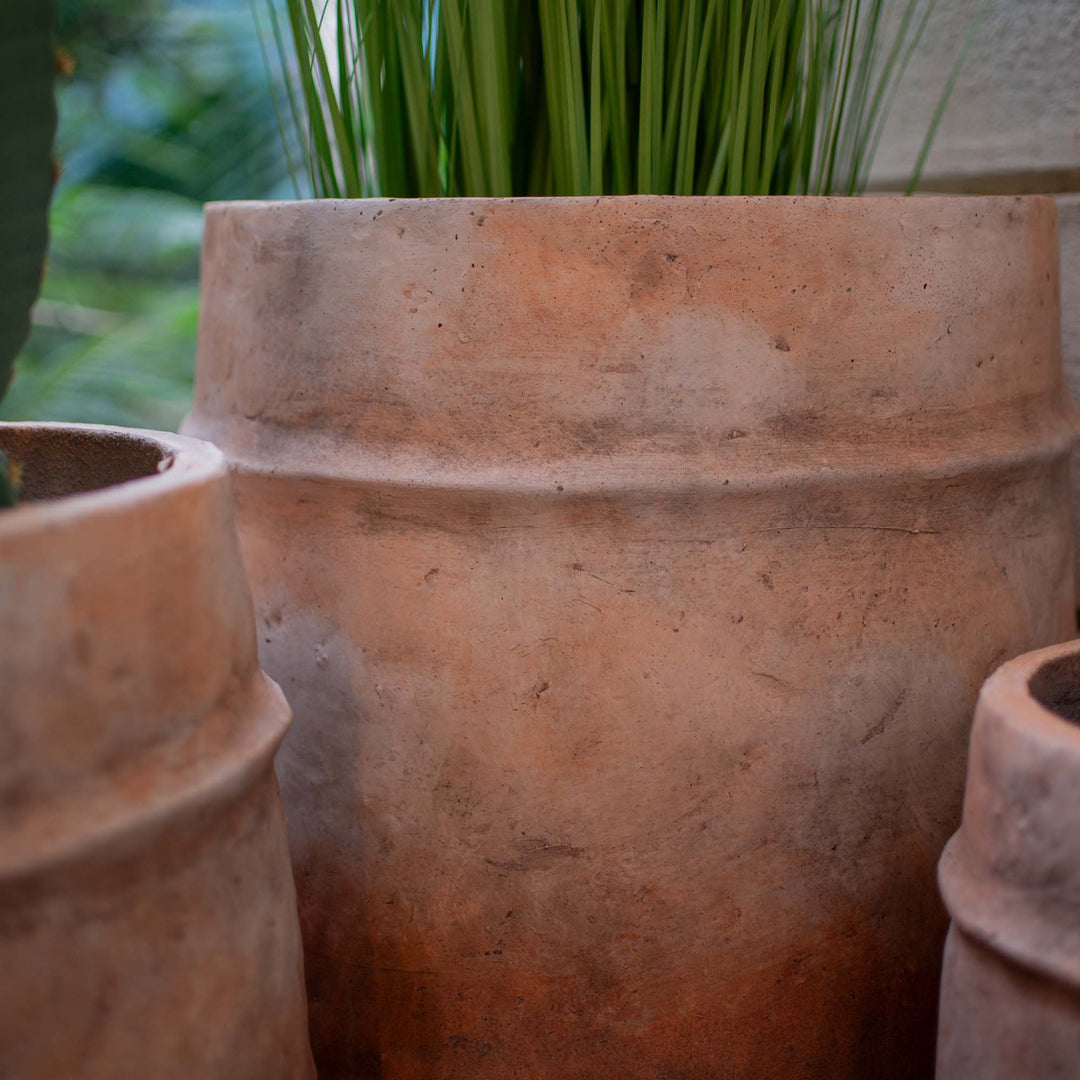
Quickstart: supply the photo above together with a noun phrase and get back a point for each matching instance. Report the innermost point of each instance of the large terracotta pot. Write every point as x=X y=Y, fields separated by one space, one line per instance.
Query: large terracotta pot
x=147 y=913
x=632 y=566
x=1010 y=991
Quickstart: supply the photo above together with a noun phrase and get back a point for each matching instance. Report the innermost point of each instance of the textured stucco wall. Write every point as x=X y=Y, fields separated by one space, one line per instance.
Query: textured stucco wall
x=1013 y=122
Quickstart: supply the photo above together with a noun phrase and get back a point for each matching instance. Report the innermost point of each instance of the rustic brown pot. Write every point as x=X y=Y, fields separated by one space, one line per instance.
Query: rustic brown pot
x=632 y=566
x=1010 y=991
x=147 y=911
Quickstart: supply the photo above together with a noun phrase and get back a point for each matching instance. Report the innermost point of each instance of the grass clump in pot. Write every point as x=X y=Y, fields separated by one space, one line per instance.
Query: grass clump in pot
x=419 y=98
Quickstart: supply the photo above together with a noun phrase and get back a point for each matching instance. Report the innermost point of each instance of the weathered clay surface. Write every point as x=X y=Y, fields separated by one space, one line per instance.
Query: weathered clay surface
x=1010 y=992
x=147 y=911
x=632 y=566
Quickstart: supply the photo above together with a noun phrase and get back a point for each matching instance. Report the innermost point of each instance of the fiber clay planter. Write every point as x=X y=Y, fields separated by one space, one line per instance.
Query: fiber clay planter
x=632 y=566
x=147 y=912
x=1010 y=992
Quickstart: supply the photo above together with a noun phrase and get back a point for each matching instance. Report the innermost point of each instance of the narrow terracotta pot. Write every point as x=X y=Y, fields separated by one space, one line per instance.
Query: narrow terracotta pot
x=632 y=566
x=1010 y=990
x=147 y=911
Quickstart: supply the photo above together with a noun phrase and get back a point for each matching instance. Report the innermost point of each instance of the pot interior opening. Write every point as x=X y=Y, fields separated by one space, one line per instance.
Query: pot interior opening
x=1056 y=686
x=56 y=461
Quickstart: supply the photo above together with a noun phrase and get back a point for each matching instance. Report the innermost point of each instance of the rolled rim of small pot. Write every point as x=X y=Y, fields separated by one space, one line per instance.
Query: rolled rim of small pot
x=124 y=466
x=1010 y=876
x=117 y=479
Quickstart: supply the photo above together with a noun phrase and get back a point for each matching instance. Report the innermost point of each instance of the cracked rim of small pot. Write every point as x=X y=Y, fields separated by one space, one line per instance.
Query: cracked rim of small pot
x=1010 y=876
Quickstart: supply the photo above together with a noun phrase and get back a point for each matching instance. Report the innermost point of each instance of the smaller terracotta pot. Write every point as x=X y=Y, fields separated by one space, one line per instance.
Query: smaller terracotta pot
x=148 y=926
x=1010 y=877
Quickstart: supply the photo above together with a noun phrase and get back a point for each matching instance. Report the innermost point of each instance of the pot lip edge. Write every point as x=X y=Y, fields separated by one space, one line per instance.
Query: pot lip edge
x=1007 y=695
x=189 y=463
x=884 y=199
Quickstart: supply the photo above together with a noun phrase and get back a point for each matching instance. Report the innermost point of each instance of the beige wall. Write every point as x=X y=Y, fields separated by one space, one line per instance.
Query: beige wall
x=1014 y=117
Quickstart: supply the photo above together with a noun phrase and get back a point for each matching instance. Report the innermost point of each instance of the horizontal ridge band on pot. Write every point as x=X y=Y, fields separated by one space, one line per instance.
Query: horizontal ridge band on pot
x=634 y=474
x=501 y=344
x=96 y=822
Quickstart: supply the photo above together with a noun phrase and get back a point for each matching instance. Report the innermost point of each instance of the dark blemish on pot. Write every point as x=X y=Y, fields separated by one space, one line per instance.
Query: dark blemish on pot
x=781 y=346
x=925 y=283
x=536 y=853
x=735 y=433
x=431 y=575
x=883 y=723
x=766 y=581
x=849 y=288
x=440 y=326
x=671 y=258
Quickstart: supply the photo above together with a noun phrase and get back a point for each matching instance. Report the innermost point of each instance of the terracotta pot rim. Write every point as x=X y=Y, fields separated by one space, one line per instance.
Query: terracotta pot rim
x=184 y=462
x=1000 y=891
x=454 y=404
x=1009 y=692
x=928 y=200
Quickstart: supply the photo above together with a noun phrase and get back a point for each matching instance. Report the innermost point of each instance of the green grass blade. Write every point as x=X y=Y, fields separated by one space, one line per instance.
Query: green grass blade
x=490 y=97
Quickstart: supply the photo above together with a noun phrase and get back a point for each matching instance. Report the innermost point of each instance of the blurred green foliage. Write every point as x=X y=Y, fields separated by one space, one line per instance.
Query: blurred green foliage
x=167 y=107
